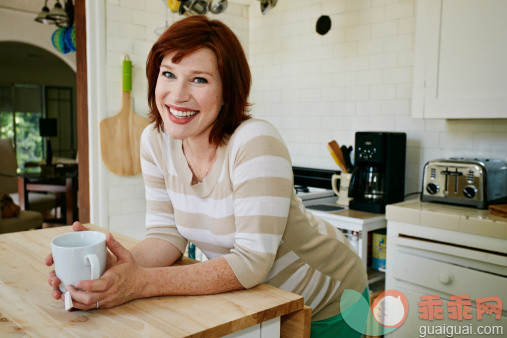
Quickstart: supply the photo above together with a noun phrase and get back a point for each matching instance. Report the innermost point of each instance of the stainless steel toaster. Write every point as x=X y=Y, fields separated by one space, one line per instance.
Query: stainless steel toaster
x=476 y=182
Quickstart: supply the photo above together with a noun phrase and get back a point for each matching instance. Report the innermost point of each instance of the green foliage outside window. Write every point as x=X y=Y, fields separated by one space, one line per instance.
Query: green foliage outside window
x=28 y=141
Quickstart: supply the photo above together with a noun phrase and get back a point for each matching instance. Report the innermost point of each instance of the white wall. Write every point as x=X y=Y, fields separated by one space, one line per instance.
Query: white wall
x=357 y=77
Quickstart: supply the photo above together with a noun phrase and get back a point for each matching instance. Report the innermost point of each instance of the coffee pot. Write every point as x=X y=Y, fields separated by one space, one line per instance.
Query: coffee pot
x=379 y=171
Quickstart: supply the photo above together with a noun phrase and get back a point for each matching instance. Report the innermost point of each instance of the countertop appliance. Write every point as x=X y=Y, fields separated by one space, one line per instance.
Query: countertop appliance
x=475 y=182
x=378 y=178
x=313 y=186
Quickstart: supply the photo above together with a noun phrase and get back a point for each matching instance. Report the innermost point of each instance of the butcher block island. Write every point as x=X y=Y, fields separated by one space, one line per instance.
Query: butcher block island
x=27 y=308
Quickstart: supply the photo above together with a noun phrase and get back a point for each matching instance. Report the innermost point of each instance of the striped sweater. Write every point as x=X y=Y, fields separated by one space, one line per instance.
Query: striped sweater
x=246 y=210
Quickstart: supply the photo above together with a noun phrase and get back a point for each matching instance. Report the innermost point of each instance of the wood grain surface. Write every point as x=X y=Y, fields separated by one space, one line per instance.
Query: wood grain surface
x=120 y=137
x=27 y=308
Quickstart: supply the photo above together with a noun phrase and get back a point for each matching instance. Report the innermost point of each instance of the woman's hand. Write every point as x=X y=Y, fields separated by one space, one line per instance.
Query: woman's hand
x=119 y=284
x=55 y=281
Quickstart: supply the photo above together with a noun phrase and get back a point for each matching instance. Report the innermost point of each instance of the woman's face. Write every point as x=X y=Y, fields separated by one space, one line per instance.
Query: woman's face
x=189 y=94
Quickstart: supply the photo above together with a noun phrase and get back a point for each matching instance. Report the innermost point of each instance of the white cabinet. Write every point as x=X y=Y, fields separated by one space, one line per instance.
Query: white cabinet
x=460 y=68
x=426 y=261
x=361 y=223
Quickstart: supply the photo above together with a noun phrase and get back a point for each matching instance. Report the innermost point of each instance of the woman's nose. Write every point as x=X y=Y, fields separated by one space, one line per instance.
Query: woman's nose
x=181 y=92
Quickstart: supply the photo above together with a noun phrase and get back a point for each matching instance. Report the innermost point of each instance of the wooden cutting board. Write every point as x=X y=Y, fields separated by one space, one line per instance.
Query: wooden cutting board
x=120 y=135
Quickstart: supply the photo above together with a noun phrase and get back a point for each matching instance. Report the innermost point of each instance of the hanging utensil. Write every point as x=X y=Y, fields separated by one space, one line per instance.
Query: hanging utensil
x=120 y=135
x=193 y=7
x=267 y=5
x=217 y=6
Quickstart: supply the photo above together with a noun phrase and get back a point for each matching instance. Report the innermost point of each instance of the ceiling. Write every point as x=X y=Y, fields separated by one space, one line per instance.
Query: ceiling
x=17 y=53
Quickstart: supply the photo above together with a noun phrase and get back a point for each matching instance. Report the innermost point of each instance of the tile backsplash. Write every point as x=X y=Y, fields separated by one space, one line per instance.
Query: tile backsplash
x=357 y=77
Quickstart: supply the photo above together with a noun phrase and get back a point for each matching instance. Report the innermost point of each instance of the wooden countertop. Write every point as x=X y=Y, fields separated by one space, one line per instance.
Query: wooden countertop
x=449 y=217
x=27 y=307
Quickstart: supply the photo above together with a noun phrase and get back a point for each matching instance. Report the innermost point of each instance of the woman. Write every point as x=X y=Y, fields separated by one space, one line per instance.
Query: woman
x=223 y=181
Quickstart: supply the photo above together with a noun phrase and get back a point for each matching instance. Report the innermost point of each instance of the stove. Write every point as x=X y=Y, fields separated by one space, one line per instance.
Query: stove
x=313 y=186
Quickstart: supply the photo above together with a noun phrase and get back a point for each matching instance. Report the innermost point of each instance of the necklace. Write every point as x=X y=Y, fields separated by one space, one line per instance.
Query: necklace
x=195 y=172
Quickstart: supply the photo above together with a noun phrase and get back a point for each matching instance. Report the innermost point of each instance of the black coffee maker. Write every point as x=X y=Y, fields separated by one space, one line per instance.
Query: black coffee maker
x=378 y=178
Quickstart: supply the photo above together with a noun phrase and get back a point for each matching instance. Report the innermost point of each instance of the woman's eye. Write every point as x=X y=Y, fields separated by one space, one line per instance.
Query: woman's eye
x=200 y=80
x=168 y=75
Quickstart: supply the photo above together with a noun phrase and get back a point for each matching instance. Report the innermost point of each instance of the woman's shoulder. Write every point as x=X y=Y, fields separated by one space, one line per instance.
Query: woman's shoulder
x=152 y=139
x=253 y=128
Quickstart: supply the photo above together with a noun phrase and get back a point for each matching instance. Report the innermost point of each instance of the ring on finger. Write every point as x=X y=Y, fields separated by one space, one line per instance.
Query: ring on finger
x=97 y=305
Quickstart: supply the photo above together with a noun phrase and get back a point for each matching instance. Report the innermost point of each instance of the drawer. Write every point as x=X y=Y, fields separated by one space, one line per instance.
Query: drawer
x=447 y=278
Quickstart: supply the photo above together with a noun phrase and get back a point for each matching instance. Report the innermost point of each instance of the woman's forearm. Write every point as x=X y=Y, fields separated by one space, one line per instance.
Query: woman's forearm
x=209 y=277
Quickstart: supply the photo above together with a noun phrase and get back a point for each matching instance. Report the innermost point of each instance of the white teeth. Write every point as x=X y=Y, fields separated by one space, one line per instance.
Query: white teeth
x=181 y=114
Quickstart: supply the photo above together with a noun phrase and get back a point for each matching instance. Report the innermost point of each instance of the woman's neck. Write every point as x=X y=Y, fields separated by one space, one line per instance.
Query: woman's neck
x=200 y=156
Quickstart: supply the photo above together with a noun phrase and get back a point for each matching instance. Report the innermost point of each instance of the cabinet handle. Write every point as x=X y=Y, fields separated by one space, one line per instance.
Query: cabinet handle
x=444 y=278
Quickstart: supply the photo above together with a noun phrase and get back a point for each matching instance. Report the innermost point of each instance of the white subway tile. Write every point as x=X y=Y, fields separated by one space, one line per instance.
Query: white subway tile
x=357 y=93
x=400 y=10
x=344 y=79
x=344 y=108
x=333 y=6
x=382 y=92
x=406 y=25
x=358 y=33
x=354 y=5
x=408 y=123
x=404 y=91
x=369 y=108
x=118 y=13
x=397 y=108
x=399 y=43
x=384 y=28
x=398 y=75
x=381 y=61
x=331 y=94
x=370 y=47
x=369 y=77
x=119 y=45
x=370 y=15
x=342 y=20
x=135 y=4
x=489 y=141
x=132 y=31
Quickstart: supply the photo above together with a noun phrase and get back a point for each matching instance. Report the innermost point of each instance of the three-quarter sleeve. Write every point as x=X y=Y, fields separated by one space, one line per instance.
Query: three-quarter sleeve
x=262 y=180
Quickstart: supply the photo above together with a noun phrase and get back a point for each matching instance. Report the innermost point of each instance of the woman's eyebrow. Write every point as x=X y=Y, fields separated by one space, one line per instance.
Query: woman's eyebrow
x=193 y=72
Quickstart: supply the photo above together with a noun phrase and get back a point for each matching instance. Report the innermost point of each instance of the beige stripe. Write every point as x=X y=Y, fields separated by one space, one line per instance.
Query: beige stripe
x=264 y=186
x=222 y=189
x=285 y=274
x=217 y=226
x=316 y=290
x=304 y=281
x=211 y=248
x=159 y=207
x=262 y=146
x=179 y=242
x=154 y=182
x=263 y=224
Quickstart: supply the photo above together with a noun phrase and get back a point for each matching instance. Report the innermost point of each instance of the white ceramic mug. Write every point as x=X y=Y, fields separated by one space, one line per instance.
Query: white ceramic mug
x=79 y=255
x=343 y=191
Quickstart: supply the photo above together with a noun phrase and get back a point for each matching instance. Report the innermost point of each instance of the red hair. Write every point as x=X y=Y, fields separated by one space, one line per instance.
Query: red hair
x=187 y=36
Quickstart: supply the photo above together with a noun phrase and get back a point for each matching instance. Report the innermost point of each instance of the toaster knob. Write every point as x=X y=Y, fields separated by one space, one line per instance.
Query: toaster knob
x=432 y=188
x=470 y=191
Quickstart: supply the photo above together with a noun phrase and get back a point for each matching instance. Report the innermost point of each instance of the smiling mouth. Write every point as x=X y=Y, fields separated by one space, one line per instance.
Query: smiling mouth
x=181 y=114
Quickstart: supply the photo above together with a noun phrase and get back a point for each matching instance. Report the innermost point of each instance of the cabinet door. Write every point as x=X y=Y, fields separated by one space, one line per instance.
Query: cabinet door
x=460 y=66
x=416 y=327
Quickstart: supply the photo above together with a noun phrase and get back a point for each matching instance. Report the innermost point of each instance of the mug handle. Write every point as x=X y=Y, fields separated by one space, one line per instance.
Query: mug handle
x=335 y=178
x=93 y=261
